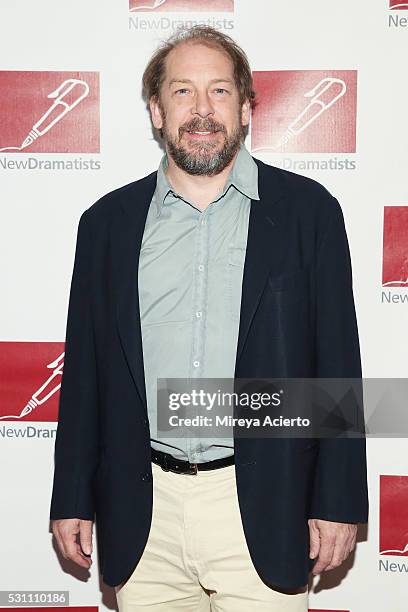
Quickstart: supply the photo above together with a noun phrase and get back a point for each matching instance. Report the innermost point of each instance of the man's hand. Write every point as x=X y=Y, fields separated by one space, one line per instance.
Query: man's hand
x=331 y=542
x=65 y=531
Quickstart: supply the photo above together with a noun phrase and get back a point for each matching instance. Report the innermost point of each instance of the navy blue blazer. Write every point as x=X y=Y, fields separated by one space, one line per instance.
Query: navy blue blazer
x=297 y=320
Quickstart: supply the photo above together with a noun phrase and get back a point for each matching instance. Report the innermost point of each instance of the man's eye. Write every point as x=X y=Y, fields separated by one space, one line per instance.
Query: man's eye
x=184 y=89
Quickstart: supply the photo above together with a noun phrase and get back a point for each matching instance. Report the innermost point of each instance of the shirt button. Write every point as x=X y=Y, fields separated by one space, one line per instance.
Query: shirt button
x=146 y=477
x=202 y=221
x=198 y=314
x=201 y=267
x=196 y=364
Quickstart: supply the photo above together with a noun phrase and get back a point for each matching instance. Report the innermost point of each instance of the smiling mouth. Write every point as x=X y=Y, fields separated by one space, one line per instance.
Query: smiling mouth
x=201 y=134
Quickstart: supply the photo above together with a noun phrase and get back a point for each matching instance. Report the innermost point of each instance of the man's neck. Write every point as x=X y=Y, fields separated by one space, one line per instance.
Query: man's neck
x=201 y=190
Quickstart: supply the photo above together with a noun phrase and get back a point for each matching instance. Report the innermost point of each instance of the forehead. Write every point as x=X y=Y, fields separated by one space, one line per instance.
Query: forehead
x=196 y=59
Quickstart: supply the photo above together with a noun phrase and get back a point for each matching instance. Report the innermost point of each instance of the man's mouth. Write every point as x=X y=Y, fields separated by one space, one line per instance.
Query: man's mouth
x=201 y=134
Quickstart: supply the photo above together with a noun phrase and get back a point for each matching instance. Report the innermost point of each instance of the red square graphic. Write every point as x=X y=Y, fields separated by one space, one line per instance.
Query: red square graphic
x=30 y=375
x=51 y=609
x=393 y=518
x=398 y=5
x=395 y=247
x=190 y=6
x=49 y=112
x=305 y=111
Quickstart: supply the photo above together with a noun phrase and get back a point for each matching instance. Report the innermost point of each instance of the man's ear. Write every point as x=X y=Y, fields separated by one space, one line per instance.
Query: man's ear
x=245 y=112
x=156 y=113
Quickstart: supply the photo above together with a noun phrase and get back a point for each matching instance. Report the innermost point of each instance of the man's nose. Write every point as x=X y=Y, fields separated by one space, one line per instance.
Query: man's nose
x=203 y=105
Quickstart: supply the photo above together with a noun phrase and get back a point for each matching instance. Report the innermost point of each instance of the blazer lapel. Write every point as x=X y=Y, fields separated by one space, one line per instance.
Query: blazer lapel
x=127 y=234
x=265 y=248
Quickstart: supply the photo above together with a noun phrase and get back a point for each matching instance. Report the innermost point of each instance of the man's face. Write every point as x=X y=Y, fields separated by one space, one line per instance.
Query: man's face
x=199 y=95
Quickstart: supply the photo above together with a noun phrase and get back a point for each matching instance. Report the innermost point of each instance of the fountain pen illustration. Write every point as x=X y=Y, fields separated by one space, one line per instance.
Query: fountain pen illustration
x=145 y=7
x=392 y=550
x=329 y=87
x=43 y=393
x=403 y=276
x=57 y=111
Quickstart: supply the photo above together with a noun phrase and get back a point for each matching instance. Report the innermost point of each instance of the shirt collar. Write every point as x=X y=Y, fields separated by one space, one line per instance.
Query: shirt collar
x=243 y=176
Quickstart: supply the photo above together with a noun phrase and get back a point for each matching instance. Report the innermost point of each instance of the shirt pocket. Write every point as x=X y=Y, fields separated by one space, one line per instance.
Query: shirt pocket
x=234 y=276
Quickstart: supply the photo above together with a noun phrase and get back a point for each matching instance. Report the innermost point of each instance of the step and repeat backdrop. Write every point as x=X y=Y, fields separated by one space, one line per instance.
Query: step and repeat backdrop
x=332 y=87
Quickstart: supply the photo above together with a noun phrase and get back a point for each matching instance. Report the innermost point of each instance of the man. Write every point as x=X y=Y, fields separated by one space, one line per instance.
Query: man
x=217 y=265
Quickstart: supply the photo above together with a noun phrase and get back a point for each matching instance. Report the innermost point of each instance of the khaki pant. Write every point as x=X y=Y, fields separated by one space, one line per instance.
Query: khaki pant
x=196 y=557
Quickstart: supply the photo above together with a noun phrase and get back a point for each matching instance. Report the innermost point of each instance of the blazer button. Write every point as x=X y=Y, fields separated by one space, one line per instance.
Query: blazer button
x=146 y=477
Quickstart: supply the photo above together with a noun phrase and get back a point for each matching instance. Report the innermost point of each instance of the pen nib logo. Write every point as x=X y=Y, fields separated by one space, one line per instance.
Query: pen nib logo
x=323 y=95
x=393 y=523
x=45 y=391
x=148 y=6
x=395 y=256
x=66 y=97
x=397 y=5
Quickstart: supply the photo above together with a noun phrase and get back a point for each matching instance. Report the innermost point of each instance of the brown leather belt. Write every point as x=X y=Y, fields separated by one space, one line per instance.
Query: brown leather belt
x=168 y=463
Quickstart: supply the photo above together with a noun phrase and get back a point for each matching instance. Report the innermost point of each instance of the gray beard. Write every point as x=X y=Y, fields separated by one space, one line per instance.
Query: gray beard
x=203 y=162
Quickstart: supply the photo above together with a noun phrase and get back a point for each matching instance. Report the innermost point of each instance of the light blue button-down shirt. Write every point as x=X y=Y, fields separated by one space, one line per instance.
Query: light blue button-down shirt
x=190 y=280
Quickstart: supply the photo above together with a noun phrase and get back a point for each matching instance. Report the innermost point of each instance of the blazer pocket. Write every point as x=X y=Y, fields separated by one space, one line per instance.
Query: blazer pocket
x=296 y=280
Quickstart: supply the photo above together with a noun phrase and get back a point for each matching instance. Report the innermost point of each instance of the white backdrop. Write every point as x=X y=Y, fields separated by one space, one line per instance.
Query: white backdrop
x=105 y=41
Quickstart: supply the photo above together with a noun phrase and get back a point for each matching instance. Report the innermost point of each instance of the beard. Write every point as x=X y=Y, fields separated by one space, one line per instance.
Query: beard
x=204 y=158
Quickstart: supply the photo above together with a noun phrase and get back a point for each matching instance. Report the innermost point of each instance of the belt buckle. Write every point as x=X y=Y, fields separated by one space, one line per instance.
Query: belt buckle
x=195 y=468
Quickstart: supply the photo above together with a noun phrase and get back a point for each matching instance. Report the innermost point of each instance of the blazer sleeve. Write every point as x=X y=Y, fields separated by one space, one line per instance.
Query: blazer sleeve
x=340 y=483
x=76 y=444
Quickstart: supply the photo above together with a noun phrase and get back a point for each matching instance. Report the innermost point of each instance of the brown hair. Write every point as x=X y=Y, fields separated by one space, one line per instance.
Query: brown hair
x=154 y=73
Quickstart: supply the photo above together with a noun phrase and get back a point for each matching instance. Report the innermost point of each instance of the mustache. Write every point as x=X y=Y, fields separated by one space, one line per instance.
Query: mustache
x=198 y=126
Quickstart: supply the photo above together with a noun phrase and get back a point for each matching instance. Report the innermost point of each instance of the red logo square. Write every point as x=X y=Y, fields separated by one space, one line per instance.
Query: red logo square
x=305 y=111
x=51 y=609
x=393 y=518
x=398 y=5
x=49 y=112
x=30 y=375
x=184 y=6
x=395 y=247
